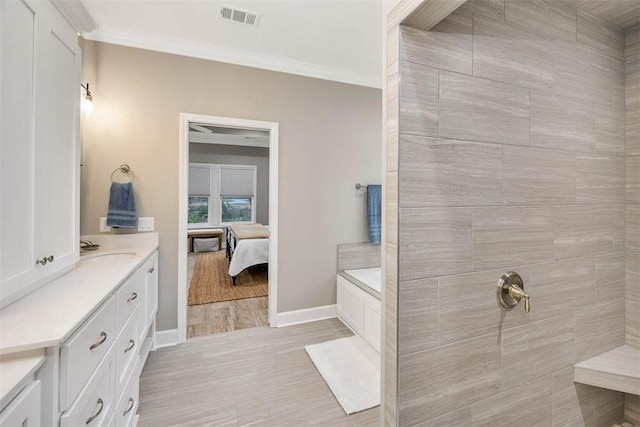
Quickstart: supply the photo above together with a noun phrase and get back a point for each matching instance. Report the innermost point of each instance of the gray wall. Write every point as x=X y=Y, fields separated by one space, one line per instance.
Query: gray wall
x=511 y=157
x=330 y=138
x=632 y=179
x=236 y=155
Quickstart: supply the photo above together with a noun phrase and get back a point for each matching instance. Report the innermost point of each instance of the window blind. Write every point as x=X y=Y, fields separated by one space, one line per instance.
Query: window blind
x=236 y=181
x=199 y=181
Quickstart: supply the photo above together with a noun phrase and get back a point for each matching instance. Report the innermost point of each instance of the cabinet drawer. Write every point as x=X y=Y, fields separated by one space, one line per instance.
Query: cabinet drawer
x=127 y=349
x=129 y=400
x=24 y=410
x=94 y=406
x=84 y=350
x=129 y=297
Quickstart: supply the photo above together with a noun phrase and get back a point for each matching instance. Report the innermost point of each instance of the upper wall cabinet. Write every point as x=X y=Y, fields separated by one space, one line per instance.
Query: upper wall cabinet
x=39 y=146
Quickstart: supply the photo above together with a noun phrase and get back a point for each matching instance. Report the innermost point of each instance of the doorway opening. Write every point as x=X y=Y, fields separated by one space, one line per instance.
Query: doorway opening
x=228 y=215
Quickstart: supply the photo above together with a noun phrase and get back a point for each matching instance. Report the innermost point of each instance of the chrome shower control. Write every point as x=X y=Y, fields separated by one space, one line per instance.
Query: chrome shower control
x=511 y=291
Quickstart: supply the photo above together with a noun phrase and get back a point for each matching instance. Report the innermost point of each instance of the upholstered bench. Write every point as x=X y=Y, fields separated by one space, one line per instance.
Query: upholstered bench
x=203 y=233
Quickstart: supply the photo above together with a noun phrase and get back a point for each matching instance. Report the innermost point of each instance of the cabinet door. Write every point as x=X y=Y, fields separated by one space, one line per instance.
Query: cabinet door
x=56 y=143
x=17 y=47
x=39 y=166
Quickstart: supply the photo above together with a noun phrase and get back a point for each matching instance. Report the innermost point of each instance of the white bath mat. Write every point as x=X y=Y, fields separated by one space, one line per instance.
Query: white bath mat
x=351 y=369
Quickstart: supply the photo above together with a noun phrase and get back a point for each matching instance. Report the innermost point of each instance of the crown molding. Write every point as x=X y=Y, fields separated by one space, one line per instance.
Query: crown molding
x=77 y=15
x=234 y=56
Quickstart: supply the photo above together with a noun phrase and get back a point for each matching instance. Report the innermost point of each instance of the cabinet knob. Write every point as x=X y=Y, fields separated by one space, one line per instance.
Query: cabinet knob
x=132 y=344
x=103 y=338
x=151 y=270
x=132 y=297
x=45 y=260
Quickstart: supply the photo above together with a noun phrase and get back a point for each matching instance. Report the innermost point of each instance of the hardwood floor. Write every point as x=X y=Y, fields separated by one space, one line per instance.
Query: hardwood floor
x=260 y=376
x=225 y=316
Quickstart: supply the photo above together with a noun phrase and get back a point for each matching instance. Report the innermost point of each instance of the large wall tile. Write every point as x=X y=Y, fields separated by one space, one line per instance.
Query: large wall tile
x=468 y=306
x=505 y=53
x=446 y=51
x=482 y=110
x=505 y=236
x=555 y=21
x=609 y=129
x=435 y=242
x=391 y=163
x=443 y=379
x=459 y=418
x=390 y=370
x=492 y=8
x=418 y=320
x=566 y=405
x=609 y=277
x=601 y=35
x=391 y=206
x=632 y=221
x=445 y=172
x=583 y=74
x=536 y=176
x=525 y=406
x=599 y=179
x=393 y=62
x=419 y=94
x=632 y=179
x=599 y=328
x=587 y=230
x=561 y=123
x=391 y=279
x=546 y=346
x=574 y=279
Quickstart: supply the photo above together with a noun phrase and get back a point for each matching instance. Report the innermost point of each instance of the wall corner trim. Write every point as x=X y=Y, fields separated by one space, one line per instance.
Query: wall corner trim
x=168 y=338
x=296 y=317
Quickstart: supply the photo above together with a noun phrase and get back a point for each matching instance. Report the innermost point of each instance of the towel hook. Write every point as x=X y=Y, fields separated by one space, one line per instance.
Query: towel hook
x=125 y=169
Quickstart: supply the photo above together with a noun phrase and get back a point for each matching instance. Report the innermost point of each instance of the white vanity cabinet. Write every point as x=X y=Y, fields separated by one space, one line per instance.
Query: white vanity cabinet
x=100 y=364
x=39 y=146
x=24 y=410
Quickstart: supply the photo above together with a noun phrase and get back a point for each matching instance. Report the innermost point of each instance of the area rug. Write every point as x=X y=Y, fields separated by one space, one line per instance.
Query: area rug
x=211 y=281
x=351 y=369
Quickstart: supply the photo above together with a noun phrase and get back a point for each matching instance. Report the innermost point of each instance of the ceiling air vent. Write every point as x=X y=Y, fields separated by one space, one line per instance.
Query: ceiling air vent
x=240 y=16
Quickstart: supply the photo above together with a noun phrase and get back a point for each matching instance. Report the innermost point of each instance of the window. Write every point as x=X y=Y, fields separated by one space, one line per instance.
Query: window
x=220 y=194
x=236 y=209
x=198 y=210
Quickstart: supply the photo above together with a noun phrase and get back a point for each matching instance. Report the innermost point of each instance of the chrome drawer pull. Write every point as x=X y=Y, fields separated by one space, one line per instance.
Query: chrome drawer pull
x=93 y=417
x=132 y=344
x=103 y=338
x=151 y=270
x=132 y=297
x=131 y=403
x=45 y=260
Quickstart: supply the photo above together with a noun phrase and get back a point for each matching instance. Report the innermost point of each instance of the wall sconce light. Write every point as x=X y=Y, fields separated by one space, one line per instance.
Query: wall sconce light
x=87 y=100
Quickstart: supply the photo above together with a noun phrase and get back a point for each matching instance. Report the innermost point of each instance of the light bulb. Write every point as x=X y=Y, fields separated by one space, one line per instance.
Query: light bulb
x=87 y=105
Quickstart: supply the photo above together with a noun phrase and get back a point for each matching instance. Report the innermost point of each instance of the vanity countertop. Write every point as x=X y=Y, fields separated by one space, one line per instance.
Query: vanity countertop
x=15 y=369
x=48 y=316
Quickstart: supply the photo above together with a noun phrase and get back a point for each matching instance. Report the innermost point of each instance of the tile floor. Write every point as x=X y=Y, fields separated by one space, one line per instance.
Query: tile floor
x=260 y=377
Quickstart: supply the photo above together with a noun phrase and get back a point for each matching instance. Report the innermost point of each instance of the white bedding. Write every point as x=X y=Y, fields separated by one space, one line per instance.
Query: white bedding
x=248 y=252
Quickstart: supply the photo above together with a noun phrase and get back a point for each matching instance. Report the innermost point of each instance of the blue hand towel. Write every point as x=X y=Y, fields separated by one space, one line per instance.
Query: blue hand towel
x=374 y=213
x=122 y=206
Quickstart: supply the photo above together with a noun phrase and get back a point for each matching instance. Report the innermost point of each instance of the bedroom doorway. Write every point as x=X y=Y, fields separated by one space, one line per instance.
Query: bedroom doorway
x=228 y=225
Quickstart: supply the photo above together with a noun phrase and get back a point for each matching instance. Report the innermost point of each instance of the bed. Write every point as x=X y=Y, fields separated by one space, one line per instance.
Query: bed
x=247 y=245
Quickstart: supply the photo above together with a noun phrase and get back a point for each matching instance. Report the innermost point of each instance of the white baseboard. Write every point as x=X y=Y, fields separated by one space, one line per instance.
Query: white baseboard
x=306 y=315
x=166 y=338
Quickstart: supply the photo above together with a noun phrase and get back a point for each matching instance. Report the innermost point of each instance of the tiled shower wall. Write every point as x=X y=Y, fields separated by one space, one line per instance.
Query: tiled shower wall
x=511 y=156
x=632 y=217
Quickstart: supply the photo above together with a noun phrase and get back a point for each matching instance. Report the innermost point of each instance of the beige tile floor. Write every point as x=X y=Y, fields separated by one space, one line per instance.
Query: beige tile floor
x=259 y=377
x=225 y=316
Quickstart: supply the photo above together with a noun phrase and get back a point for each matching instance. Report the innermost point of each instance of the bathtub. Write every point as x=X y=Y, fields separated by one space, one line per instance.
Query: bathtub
x=358 y=303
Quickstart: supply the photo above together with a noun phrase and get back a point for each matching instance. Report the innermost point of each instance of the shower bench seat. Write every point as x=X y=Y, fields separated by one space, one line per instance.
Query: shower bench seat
x=618 y=369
